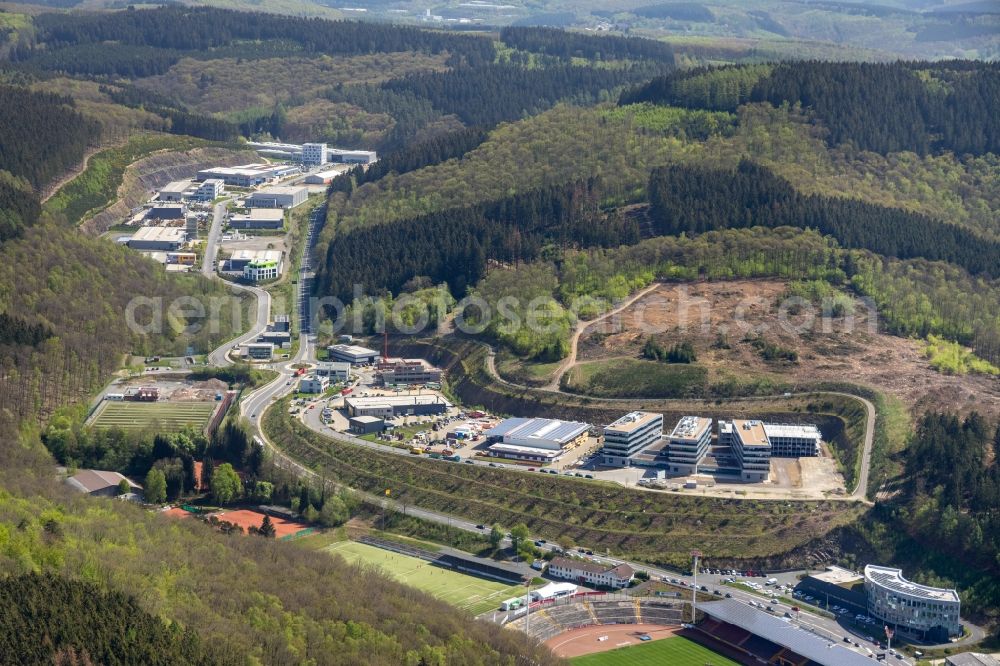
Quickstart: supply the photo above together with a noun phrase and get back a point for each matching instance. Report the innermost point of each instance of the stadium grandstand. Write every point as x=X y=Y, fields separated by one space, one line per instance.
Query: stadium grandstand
x=550 y=619
x=767 y=639
x=473 y=566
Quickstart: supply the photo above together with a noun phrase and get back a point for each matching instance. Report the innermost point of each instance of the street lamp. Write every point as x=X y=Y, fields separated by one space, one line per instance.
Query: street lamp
x=694 y=589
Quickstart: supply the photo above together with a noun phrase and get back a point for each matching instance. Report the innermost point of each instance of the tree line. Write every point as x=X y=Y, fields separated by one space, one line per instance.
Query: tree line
x=566 y=45
x=201 y=29
x=454 y=245
x=181 y=121
x=41 y=134
x=490 y=94
x=438 y=149
x=694 y=199
x=882 y=107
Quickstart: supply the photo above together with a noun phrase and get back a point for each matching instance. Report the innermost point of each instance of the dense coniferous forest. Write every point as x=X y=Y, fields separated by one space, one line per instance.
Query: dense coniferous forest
x=454 y=245
x=41 y=134
x=204 y=28
x=485 y=96
x=919 y=107
x=433 y=151
x=49 y=619
x=692 y=200
x=562 y=44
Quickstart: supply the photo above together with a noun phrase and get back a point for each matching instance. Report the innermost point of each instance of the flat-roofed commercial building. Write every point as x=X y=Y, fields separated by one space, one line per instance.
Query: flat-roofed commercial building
x=338 y=155
x=365 y=425
x=542 y=440
x=323 y=177
x=391 y=406
x=314 y=153
x=352 y=354
x=750 y=446
x=265 y=268
x=247 y=175
x=278 y=197
x=167 y=239
x=406 y=371
x=630 y=434
x=930 y=613
x=209 y=189
x=259 y=218
x=689 y=442
x=240 y=259
x=175 y=191
x=337 y=371
x=167 y=211
x=314 y=384
x=259 y=351
x=793 y=441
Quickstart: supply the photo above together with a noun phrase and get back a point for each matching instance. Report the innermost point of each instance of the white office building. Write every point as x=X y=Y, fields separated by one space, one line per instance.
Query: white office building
x=209 y=189
x=793 y=441
x=314 y=154
x=688 y=444
x=750 y=446
x=930 y=613
x=336 y=371
x=630 y=434
x=314 y=384
x=259 y=351
x=278 y=197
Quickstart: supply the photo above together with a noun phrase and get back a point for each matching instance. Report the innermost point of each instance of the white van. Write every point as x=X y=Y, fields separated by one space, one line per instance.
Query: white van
x=772 y=581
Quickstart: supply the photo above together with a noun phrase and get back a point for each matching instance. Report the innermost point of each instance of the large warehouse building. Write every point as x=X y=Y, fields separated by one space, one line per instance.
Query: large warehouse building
x=158 y=238
x=929 y=613
x=259 y=218
x=247 y=175
x=629 y=435
x=541 y=440
x=278 y=197
x=352 y=354
x=391 y=406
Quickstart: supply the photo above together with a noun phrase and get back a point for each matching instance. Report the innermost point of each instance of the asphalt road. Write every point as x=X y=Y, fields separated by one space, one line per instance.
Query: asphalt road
x=212 y=243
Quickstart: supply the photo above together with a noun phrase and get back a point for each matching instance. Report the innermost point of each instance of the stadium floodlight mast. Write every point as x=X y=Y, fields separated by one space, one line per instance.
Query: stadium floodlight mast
x=694 y=588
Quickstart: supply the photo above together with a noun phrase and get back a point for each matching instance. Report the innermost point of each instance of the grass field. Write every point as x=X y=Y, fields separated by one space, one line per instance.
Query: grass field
x=166 y=416
x=623 y=378
x=475 y=595
x=676 y=651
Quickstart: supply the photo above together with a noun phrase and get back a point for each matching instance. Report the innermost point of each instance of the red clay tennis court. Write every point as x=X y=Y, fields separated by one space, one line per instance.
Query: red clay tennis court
x=246 y=518
x=587 y=640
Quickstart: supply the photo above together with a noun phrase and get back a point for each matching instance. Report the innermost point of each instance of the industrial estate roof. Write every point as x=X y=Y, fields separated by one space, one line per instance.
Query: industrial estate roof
x=539 y=429
x=174 y=234
x=691 y=428
x=278 y=189
x=256 y=255
x=751 y=433
x=631 y=421
x=176 y=186
x=892 y=579
x=776 y=630
x=396 y=401
x=799 y=431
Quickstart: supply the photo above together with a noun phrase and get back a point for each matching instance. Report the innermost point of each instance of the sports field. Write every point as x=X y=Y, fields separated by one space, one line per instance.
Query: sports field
x=476 y=595
x=676 y=651
x=166 y=416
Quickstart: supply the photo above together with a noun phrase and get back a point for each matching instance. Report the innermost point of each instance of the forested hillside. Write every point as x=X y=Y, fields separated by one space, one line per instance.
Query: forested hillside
x=919 y=107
